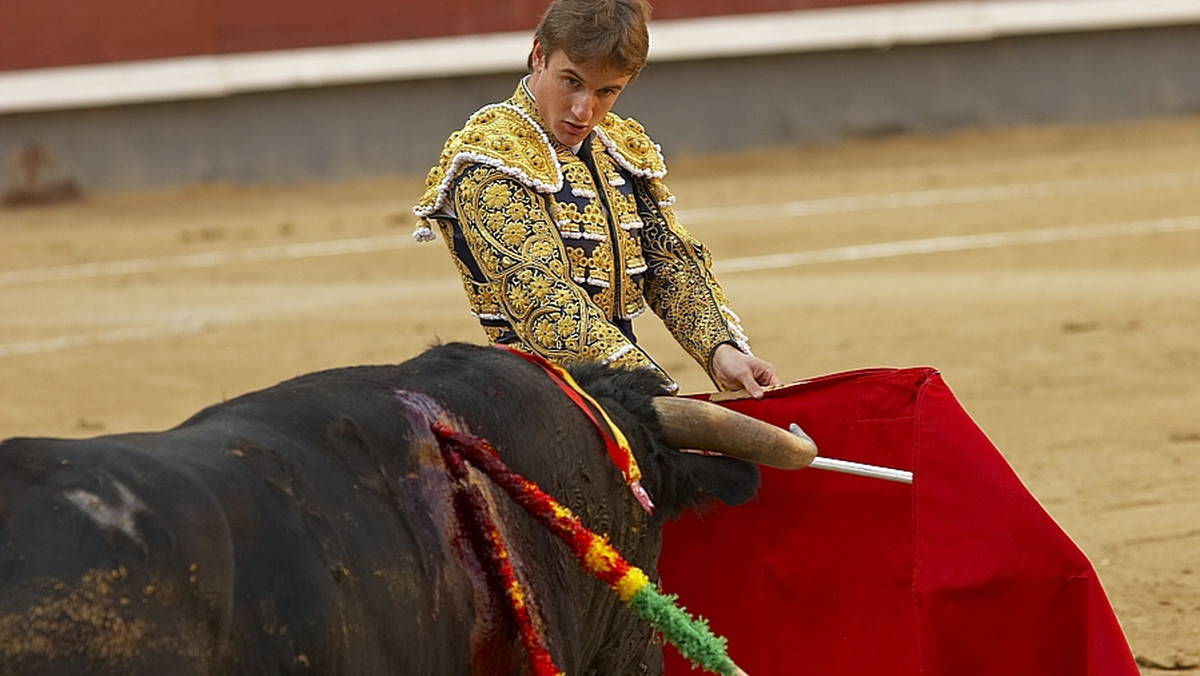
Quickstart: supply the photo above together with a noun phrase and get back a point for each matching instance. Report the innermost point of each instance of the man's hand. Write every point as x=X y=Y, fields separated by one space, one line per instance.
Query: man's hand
x=736 y=370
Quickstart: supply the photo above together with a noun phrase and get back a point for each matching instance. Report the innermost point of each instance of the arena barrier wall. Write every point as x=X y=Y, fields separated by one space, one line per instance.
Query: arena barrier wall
x=714 y=84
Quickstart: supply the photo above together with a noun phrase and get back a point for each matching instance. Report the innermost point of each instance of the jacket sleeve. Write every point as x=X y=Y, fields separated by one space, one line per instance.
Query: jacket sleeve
x=679 y=285
x=511 y=237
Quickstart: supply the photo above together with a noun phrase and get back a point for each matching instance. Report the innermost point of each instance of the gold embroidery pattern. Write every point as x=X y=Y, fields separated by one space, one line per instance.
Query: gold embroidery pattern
x=514 y=242
x=576 y=174
x=575 y=223
x=628 y=225
x=681 y=288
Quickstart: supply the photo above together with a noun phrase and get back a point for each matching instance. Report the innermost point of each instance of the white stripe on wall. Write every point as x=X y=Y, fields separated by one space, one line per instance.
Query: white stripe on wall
x=869 y=26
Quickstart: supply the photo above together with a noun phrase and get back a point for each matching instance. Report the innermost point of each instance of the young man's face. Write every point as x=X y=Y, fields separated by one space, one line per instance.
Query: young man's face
x=572 y=98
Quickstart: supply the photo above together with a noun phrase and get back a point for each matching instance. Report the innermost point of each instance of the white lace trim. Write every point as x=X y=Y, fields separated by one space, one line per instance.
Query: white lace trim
x=734 y=323
x=489 y=316
x=736 y=329
x=636 y=313
x=424 y=234
x=601 y=283
x=571 y=234
x=620 y=352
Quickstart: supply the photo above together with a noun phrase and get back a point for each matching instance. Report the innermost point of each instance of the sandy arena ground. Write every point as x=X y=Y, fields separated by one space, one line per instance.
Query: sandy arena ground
x=1052 y=275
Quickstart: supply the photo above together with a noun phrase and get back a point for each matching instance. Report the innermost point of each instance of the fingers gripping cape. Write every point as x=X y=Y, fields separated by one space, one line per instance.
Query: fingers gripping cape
x=962 y=572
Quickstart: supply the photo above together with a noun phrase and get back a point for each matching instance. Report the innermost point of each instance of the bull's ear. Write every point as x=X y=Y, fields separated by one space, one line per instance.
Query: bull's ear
x=722 y=479
x=691 y=423
x=680 y=482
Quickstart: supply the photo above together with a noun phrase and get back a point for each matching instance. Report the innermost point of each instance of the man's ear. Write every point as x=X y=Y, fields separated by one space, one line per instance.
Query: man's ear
x=537 y=62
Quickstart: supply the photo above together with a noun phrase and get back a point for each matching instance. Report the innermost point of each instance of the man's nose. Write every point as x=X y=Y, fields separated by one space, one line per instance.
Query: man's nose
x=582 y=107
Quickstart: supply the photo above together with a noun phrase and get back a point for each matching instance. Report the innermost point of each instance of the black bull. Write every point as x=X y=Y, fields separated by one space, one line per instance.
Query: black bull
x=310 y=528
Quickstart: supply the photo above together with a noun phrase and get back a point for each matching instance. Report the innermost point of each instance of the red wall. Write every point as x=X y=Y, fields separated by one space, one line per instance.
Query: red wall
x=44 y=33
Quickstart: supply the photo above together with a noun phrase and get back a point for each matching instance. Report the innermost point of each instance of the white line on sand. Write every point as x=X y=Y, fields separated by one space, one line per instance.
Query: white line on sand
x=793 y=209
x=955 y=243
x=210 y=259
x=941 y=197
x=729 y=266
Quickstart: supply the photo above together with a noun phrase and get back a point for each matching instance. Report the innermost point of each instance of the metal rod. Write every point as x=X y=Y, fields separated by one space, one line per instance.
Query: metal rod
x=873 y=471
x=858 y=468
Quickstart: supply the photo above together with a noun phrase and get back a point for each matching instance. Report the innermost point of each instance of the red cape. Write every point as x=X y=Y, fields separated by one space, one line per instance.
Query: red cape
x=962 y=572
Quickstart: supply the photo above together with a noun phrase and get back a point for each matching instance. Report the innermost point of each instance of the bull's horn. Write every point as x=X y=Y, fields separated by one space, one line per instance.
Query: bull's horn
x=690 y=423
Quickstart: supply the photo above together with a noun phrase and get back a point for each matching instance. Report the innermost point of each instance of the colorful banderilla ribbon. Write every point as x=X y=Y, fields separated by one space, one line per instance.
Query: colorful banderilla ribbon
x=614 y=440
x=493 y=552
x=690 y=636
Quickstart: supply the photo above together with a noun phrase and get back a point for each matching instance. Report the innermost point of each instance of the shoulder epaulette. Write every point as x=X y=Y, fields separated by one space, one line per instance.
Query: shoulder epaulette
x=627 y=142
x=505 y=137
x=502 y=136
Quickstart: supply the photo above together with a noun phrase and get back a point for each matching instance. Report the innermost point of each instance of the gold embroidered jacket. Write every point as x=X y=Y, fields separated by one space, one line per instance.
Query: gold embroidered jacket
x=557 y=257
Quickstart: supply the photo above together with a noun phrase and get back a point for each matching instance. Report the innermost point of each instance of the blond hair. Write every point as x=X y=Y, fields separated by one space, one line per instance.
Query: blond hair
x=610 y=33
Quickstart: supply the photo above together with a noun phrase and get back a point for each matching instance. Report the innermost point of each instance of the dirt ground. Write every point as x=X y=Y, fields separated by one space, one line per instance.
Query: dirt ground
x=1051 y=274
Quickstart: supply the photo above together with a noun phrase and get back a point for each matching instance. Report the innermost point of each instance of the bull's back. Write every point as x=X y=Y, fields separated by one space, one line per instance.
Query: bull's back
x=296 y=529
